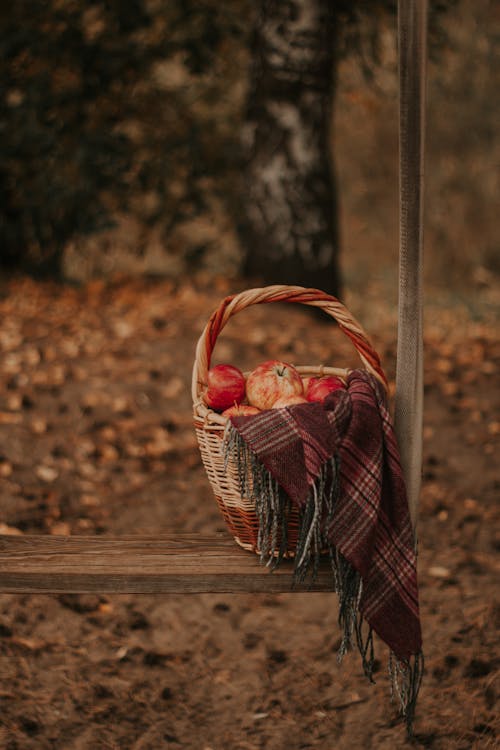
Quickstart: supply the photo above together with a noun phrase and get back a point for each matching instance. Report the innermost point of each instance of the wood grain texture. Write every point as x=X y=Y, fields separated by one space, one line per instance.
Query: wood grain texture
x=168 y=563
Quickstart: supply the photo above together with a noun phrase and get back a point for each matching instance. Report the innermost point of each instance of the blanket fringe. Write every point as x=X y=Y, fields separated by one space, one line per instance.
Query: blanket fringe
x=272 y=507
x=406 y=678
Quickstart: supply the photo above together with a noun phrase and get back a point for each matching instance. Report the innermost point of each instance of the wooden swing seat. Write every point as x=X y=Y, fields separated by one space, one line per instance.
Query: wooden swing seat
x=163 y=564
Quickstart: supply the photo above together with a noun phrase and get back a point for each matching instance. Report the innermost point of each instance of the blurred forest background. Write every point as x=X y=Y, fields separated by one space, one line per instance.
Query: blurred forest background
x=120 y=148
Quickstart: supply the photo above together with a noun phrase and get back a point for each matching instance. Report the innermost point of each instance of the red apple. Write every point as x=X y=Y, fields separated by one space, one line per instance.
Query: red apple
x=240 y=410
x=319 y=388
x=225 y=387
x=294 y=398
x=272 y=380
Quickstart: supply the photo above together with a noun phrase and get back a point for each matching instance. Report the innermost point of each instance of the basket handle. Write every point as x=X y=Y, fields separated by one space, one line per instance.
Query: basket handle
x=234 y=303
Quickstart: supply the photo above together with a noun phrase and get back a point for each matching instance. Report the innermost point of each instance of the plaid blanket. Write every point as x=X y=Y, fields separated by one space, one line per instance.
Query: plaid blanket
x=338 y=462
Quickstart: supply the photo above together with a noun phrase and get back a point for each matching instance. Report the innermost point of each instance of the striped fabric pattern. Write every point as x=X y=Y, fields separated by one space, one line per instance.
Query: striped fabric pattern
x=371 y=524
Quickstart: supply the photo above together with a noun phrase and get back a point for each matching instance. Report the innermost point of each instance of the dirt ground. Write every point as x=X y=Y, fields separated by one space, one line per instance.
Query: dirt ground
x=96 y=438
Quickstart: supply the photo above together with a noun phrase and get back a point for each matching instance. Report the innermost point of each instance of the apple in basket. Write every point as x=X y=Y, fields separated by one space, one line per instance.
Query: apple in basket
x=225 y=387
x=272 y=380
x=240 y=410
x=294 y=398
x=319 y=388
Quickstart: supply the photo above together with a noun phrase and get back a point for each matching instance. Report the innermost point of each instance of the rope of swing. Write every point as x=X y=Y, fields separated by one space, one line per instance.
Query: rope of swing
x=408 y=417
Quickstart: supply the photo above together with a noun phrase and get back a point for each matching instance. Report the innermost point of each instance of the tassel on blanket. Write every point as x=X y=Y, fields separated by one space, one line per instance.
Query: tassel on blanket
x=406 y=678
x=315 y=518
x=272 y=507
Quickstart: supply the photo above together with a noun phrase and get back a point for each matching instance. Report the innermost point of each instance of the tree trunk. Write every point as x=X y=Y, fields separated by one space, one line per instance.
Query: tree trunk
x=289 y=226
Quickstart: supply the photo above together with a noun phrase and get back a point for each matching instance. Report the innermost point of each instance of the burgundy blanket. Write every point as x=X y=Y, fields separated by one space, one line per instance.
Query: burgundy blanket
x=345 y=450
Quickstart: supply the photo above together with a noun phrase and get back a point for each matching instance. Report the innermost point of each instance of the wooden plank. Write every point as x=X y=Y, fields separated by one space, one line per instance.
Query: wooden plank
x=168 y=563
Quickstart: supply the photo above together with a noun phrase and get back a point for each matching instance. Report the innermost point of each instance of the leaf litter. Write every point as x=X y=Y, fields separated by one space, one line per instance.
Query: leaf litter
x=96 y=438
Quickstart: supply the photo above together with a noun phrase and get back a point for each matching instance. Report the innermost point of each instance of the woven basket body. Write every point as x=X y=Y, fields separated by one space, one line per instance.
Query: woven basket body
x=237 y=511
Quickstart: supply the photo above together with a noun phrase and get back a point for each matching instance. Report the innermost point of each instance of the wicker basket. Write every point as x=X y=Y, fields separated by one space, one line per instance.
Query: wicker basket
x=239 y=513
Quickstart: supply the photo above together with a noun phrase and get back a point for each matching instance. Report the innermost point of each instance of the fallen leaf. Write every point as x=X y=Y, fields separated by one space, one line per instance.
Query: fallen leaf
x=39 y=426
x=10 y=417
x=9 y=530
x=173 y=388
x=32 y=644
x=5 y=469
x=438 y=571
x=470 y=503
x=61 y=529
x=223 y=677
x=46 y=473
